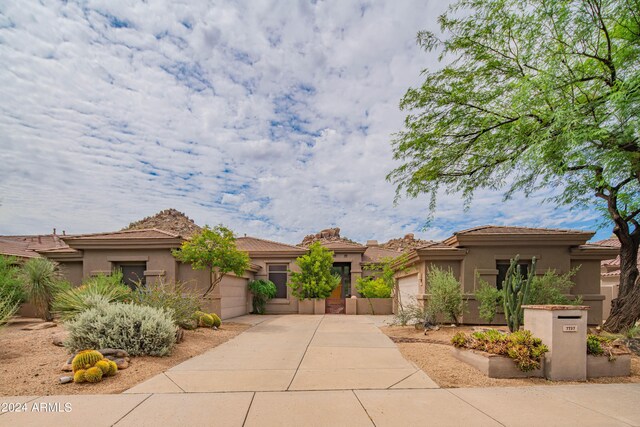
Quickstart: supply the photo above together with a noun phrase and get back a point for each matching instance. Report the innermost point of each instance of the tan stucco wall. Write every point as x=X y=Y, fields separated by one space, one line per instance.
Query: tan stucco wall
x=72 y=271
x=160 y=262
x=287 y=305
x=482 y=260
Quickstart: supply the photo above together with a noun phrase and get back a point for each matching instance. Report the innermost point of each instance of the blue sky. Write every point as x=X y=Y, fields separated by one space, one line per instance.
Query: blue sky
x=273 y=118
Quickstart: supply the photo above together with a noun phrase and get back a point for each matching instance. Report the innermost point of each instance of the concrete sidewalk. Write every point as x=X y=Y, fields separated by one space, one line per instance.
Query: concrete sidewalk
x=321 y=371
x=582 y=405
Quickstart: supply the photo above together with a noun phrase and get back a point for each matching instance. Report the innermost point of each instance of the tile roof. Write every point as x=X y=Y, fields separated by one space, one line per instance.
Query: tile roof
x=612 y=242
x=255 y=244
x=152 y=233
x=27 y=246
x=376 y=254
x=341 y=244
x=435 y=245
x=502 y=229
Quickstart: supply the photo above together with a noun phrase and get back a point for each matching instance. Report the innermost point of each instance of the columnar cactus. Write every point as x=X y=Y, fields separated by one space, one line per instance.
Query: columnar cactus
x=515 y=291
x=86 y=359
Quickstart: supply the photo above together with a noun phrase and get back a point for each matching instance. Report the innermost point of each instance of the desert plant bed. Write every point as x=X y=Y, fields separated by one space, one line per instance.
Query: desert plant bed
x=30 y=364
x=432 y=354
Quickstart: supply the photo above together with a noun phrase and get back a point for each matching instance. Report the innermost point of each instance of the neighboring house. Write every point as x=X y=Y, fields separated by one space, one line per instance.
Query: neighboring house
x=143 y=253
x=610 y=274
x=483 y=253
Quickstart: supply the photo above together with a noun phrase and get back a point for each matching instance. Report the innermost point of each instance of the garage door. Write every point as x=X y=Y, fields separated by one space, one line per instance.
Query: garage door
x=233 y=297
x=408 y=289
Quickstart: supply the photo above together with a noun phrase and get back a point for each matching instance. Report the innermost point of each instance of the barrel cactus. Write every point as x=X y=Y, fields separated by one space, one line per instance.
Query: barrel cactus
x=113 y=368
x=93 y=375
x=206 y=320
x=86 y=359
x=515 y=292
x=78 y=376
x=104 y=366
x=216 y=320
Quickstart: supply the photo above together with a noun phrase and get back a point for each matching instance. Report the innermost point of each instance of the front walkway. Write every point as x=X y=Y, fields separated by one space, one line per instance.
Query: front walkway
x=323 y=370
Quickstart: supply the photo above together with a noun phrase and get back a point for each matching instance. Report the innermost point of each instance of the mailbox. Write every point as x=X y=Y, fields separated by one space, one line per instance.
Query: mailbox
x=563 y=328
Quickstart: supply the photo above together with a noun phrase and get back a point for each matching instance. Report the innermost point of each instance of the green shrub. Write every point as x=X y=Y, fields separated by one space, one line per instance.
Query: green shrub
x=42 y=282
x=412 y=313
x=551 y=288
x=11 y=288
x=373 y=287
x=521 y=346
x=95 y=290
x=489 y=299
x=594 y=346
x=315 y=279
x=8 y=307
x=175 y=298
x=140 y=330
x=445 y=300
x=262 y=291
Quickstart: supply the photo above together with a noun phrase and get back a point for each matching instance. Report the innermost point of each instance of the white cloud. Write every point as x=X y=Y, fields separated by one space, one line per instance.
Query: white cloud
x=271 y=117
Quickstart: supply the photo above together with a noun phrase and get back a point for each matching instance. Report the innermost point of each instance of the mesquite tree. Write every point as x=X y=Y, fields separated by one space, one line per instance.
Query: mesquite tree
x=213 y=249
x=535 y=93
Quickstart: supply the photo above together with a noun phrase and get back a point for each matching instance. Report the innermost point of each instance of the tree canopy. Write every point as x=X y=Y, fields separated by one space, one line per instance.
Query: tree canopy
x=533 y=94
x=213 y=249
x=315 y=278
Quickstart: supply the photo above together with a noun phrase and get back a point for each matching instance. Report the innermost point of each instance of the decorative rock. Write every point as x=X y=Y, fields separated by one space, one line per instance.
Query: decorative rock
x=113 y=352
x=123 y=363
x=67 y=367
x=66 y=379
x=39 y=326
x=59 y=338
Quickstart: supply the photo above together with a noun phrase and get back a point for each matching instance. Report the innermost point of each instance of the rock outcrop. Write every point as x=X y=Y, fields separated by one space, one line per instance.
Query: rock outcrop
x=326 y=235
x=169 y=220
x=405 y=243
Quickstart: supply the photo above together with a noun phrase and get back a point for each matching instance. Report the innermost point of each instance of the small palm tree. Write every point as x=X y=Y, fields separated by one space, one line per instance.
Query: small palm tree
x=41 y=277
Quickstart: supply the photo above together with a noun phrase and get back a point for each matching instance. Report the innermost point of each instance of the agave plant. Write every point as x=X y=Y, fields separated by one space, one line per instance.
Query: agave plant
x=41 y=279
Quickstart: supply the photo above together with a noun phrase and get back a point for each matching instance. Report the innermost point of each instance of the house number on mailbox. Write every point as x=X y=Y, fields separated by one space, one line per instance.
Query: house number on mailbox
x=570 y=328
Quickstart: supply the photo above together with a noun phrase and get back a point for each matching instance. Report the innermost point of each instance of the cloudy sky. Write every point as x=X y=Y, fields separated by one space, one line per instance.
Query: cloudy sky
x=271 y=117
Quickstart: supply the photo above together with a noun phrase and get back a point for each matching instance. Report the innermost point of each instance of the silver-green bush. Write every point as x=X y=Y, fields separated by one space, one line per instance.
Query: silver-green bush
x=138 y=329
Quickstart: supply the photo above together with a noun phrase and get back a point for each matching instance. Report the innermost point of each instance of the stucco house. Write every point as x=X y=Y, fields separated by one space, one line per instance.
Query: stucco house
x=143 y=252
x=610 y=274
x=483 y=253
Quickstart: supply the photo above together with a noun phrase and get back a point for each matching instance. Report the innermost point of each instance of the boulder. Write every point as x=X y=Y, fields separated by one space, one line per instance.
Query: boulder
x=59 y=338
x=66 y=367
x=115 y=352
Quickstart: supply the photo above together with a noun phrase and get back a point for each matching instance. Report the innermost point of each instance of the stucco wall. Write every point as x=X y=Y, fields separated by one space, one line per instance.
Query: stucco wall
x=72 y=271
x=160 y=262
x=277 y=305
x=481 y=260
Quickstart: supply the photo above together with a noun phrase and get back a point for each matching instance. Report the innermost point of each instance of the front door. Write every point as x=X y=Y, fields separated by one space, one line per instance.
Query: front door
x=335 y=302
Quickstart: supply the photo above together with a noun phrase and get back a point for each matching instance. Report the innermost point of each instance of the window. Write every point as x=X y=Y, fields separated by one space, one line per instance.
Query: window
x=278 y=275
x=503 y=266
x=132 y=274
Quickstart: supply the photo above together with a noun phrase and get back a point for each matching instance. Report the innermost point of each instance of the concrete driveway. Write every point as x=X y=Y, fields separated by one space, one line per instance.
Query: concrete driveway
x=327 y=370
x=295 y=352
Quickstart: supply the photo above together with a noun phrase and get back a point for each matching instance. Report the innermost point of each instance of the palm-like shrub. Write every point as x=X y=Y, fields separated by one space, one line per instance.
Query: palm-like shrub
x=42 y=281
x=262 y=291
x=95 y=290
